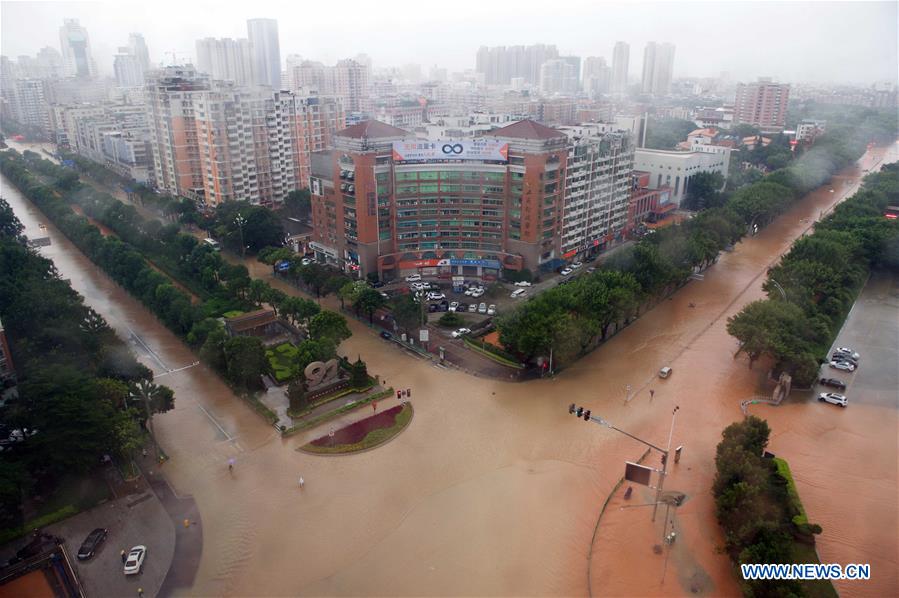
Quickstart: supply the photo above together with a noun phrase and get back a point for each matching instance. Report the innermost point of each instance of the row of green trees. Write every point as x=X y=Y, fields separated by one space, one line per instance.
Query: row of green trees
x=570 y=320
x=813 y=287
x=224 y=287
x=762 y=523
x=79 y=386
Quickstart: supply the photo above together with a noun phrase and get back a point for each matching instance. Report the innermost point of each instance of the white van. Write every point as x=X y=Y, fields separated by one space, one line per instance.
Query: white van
x=518 y=293
x=213 y=243
x=665 y=372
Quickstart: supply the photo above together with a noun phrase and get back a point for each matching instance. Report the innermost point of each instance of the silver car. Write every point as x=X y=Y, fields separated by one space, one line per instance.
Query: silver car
x=834 y=398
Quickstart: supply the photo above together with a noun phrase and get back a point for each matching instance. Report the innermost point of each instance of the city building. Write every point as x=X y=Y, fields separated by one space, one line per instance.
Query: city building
x=388 y=203
x=170 y=97
x=352 y=82
x=138 y=47
x=575 y=62
x=597 y=76
x=558 y=76
x=129 y=72
x=646 y=206
x=675 y=169
x=75 y=45
x=597 y=188
x=762 y=104
x=658 y=66
x=29 y=105
x=112 y=134
x=226 y=59
x=809 y=129
x=620 y=56
x=500 y=64
x=266 y=51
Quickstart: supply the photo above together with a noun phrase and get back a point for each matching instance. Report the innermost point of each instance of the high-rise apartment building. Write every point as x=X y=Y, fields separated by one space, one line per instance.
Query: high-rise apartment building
x=310 y=76
x=266 y=49
x=138 y=47
x=501 y=64
x=128 y=69
x=557 y=76
x=762 y=104
x=170 y=96
x=226 y=59
x=620 y=57
x=75 y=45
x=658 y=67
x=597 y=76
x=353 y=84
x=575 y=62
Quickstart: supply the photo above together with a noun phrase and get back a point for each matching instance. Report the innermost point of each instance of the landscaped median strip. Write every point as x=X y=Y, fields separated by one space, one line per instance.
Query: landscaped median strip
x=364 y=434
x=331 y=414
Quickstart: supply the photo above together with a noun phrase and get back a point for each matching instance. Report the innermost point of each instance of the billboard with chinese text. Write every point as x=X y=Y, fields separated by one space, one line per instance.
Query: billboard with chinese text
x=468 y=149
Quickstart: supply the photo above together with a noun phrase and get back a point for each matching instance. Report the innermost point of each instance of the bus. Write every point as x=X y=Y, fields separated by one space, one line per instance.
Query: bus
x=213 y=243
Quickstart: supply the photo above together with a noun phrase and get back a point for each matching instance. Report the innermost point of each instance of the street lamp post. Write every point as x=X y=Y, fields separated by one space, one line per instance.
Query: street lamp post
x=240 y=221
x=779 y=288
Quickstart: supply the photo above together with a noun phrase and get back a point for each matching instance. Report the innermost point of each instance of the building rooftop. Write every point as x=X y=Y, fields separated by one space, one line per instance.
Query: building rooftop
x=527 y=129
x=372 y=129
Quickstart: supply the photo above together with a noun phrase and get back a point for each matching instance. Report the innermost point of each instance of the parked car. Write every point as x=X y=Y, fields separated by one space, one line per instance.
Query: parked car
x=847 y=351
x=482 y=308
x=413 y=278
x=566 y=271
x=135 y=561
x=432 y=307
x=665 y=372
x=460 y=332
x=462 y=308
x=832 y=397
x=454 y=306
x=844 y=357
x=444 y=305
x=473 y=308
x=417 y=286
x=92 y=543
x=478 y=293
x=435 y=296
x=591 y=270
x=306 y=261
x=842 y=365
x=386 y=335
x=377 y=284
x=469 y=291
x=576 y=265
x=518 y=293
x=833 y=383
x=522 y=283
x=491 y=310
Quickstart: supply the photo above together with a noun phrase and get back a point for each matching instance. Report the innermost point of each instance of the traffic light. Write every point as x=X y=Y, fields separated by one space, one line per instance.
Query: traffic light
x=580 y=411
x=571 y=408
x=399 y=394
x=587 y=415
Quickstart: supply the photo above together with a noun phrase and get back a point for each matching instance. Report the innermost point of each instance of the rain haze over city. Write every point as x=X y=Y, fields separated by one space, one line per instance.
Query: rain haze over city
x=461 y=299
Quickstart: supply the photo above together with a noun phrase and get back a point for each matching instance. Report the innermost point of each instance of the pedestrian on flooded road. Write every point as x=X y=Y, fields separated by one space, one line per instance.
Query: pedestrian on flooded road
x=123 y=556
x=374 y=405
x=302 y=482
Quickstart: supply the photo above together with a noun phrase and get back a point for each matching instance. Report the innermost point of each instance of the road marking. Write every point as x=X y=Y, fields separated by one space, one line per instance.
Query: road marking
x=187 y=367
x=148 y=349
x=213 y=420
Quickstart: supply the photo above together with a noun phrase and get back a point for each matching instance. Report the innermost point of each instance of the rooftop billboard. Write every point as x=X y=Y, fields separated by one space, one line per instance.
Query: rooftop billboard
x=468 y=149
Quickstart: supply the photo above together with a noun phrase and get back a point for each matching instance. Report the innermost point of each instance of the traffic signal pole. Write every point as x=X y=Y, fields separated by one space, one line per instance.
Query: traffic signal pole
x=665 y=454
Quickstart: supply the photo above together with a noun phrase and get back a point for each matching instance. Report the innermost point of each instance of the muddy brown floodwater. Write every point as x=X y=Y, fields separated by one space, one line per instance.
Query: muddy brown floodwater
x=494 y=489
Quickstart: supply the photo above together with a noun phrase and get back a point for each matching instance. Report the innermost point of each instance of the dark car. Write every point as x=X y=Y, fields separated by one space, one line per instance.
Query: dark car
x=833 y=383
x=92 y=543
x=432 y=307
x=844 y=358
x=386 y=335
x=377 y=284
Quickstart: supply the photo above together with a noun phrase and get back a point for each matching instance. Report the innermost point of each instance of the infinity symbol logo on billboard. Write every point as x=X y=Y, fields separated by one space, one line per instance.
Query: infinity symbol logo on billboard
x=452 y=148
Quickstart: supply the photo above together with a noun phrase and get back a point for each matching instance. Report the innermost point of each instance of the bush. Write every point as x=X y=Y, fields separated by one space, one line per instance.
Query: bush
x=450 y=320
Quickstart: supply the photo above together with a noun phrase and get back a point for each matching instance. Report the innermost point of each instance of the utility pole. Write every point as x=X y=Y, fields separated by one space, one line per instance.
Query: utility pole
x=665 y=456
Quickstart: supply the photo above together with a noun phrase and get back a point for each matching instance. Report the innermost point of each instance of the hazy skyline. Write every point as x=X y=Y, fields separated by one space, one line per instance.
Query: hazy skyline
x=790 y=41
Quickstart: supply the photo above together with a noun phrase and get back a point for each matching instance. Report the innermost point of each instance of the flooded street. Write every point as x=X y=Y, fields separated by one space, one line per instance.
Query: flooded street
x=494 y=488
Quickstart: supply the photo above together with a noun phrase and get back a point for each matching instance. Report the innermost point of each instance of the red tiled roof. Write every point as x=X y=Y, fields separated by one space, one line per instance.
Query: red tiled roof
x=372 y=129
x=527 y=129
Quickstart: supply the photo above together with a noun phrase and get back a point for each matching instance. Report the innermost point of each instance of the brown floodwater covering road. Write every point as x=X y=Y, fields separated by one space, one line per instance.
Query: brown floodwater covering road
x=494 y=489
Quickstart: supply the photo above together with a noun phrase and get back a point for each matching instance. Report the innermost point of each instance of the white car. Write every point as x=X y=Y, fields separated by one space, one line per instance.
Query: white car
x=453 y=306
x=306 y=261
x=432 y=296
x=491 y=310
x=413 y=278
x=468 y=292
x=482 y=308
x=847 y=351
x=473 y=308
x=460 y=332
x=566 y=271
x=518 y=293
x=522 y=283
x=135 y=560
x=842 y=365
x=478 y=293
x=576 y=265
x=833 y=397
x=418 y=286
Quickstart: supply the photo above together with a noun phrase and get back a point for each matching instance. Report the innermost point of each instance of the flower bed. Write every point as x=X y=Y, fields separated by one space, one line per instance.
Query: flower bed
x=367 y=433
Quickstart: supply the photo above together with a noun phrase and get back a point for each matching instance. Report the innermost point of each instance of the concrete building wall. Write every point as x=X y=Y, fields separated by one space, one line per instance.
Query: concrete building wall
x=674 y=169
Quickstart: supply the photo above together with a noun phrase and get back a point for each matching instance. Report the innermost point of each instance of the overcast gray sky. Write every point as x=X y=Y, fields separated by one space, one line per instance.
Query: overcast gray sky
x=791 y=41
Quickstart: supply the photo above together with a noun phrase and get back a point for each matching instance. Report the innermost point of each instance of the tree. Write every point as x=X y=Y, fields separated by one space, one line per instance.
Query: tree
x=296 y=395
x=298 y=203
x=408 y=312
x=666 y=133
x=329 y=325
x=315 y=275
x=448 y=320
x=299 y=310
x=245 y=361
x=369 y=301
x=10 y=227
x=705 y=191
x=358 y=374
x=151 y=399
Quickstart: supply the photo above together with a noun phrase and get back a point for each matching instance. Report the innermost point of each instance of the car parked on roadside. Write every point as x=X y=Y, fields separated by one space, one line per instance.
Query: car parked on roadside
x=462 y=308
x=482 y=308
x=461 y=332
x=844 y=358
x=576 y=265
x=834 y=398
x=135 y=560
x=522 y=283
x=833 y=383
x=491 y=310
x=432 y=307
x=591 y=270
x=842 y=365
x=454 y=306
x=92 y=543
x=413 y=278
x=386 y=335
x=566 y=271
x=847 y=351
x=473 y=308
x=518 y=293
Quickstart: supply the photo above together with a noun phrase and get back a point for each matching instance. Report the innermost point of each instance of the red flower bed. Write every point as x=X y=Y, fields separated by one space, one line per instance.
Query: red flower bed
x=355 y=432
